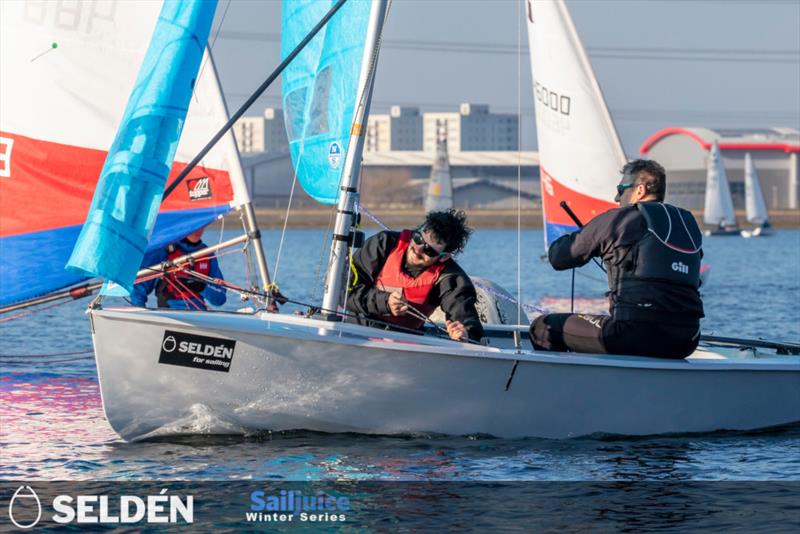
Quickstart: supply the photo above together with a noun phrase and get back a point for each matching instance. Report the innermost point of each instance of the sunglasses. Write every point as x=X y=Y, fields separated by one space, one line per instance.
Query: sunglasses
x=622 y=187
x=426 y=248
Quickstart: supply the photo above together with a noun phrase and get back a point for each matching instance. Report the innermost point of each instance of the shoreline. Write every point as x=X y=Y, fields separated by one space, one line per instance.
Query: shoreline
x=272 y=218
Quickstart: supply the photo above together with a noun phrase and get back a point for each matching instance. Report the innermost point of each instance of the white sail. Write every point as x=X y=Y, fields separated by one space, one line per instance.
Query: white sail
x=579 y=149
x=67 y=74
x=440 y=185
x=719 y=204
x=754 y=198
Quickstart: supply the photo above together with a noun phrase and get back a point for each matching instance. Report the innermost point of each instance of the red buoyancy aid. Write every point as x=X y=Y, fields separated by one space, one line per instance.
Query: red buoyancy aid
x=415 y=290
x=184 y=286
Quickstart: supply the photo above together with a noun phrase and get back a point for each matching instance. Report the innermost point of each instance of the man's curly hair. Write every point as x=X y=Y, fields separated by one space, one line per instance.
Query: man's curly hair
x=449 y=227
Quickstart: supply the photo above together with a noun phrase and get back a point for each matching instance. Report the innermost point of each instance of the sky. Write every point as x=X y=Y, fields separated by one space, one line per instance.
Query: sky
x=711 y=63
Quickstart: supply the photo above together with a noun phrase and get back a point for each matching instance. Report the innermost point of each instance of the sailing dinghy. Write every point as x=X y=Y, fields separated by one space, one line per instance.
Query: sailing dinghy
x=162 y=370
x=718 y=211
x=755 y=207
x=56 y=129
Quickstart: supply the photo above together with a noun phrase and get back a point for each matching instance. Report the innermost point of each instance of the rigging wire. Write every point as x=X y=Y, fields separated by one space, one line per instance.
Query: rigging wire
x=320 y=280
x=288 y=211
x=519 y=164
x=700 y=54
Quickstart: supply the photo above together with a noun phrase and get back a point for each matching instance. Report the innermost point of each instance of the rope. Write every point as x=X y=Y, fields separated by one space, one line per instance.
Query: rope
x=48 y=361
x=376 y=220
x=180 y=288
x=35 y=311
x=50 y=355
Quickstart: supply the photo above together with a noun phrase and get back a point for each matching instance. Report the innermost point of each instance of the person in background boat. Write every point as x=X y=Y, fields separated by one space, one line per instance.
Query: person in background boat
x=179 y=290
x=652 y=253
x=397 y=271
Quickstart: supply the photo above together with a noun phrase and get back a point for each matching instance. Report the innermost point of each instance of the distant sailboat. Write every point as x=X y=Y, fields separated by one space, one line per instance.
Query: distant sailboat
x=719 y=203
x=755 y=206
x=440 y=185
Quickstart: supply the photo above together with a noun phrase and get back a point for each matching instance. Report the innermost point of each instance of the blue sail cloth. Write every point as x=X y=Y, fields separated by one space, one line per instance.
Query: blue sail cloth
x=319 y=89
x=113 y=241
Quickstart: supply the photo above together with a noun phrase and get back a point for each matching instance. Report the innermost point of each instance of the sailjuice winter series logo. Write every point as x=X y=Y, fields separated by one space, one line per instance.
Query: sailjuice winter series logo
x=293 y=505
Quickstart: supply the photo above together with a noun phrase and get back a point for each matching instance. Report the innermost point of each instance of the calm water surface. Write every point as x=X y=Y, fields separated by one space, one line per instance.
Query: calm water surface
x=53 y=425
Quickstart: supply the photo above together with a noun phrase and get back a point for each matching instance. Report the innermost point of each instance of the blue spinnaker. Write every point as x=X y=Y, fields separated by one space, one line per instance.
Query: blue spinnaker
x=114 y=238
x=319 y=89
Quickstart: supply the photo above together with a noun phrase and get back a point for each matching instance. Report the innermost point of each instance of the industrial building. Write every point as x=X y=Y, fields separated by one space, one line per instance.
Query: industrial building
x=472 y=128
x=400 y=130
x=400 y=149
x=684 y=154
x=261 y=134
x=398 y=178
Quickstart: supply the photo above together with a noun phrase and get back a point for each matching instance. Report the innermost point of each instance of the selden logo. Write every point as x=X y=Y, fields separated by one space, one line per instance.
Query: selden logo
x=200 y=352
x=25 y=509
x=199 y=188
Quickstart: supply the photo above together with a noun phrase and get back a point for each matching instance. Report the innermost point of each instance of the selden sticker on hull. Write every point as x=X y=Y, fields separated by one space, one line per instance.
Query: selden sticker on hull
x=200 y=352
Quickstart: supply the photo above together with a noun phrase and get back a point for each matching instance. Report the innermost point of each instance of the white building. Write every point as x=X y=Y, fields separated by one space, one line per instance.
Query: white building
x=683 y=153
x=261 y=134
x=401 y=129
x=472 y=128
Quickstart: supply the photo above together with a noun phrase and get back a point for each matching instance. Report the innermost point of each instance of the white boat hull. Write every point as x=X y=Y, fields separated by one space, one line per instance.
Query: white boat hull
x=289 y=372
x=758 y=231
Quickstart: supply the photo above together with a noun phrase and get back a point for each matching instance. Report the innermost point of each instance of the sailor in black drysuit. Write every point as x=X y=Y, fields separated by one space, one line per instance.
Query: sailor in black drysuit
x=652 y=253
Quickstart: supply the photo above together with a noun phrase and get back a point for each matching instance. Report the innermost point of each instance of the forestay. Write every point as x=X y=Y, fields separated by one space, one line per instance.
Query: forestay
x=65 y=77
x=579 y=149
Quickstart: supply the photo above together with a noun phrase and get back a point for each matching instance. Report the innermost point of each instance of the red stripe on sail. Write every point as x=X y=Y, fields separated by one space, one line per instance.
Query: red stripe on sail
x=48 y=185
x=584 y=206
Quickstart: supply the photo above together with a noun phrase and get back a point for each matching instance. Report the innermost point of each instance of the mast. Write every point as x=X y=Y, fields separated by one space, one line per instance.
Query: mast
x=348 y=187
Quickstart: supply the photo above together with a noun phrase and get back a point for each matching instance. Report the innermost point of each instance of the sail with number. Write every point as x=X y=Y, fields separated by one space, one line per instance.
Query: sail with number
x=65 y=77
x=579 y=149
x=319 y=89
x=755 y=207
x=719 y=203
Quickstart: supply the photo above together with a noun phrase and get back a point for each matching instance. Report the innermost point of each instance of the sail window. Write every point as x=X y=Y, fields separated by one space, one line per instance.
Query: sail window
x=318 y=114
x=295 y=112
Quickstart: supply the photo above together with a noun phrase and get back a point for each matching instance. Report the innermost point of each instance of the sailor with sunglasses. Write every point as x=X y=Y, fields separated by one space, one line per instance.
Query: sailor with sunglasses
x=400 y=278
x=651 y=251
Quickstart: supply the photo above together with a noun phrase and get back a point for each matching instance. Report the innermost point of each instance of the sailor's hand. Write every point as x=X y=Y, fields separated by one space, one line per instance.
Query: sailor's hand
x=396 y=304
x=456 y=330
